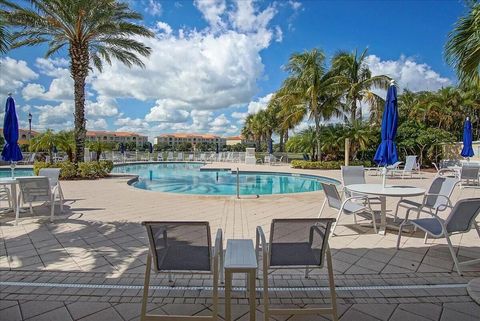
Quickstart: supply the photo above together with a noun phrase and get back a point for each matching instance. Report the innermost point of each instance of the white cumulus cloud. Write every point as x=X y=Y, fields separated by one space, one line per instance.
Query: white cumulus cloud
x=260 y=104
x=408 y=73
x=13 y=75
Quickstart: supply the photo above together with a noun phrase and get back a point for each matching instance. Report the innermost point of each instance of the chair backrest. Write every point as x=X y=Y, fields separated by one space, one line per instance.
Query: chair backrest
x=53 y=175
x=35 y=189
x=353 y=175
x=394 y=165
x=463 y=215
x=180 y=246
x=331 y=194
x=170 y=155
x=180 y=156
x=442 y=186
x=410 y=163
x=469 y=171
x=444 y=163
x=299 y=242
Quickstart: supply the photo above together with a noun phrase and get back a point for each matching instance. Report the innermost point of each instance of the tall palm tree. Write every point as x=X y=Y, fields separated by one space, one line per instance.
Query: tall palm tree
x=462 y=49
x=5 y=34
x=358 y=82
x=311 y=85
x=92 y=32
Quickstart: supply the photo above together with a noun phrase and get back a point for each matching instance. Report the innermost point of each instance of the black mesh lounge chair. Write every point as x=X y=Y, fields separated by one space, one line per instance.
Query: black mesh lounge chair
x=460 y=220
x=296 y=243
x=182 y=247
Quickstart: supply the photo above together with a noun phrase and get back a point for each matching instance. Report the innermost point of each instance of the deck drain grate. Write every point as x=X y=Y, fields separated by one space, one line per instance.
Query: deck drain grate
x=209 y=288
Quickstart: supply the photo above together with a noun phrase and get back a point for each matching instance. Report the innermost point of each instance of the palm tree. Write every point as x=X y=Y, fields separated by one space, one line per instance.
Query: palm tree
x=304 y=142
x=462 y=49
x=93 y=32
x=98 y=147
x=65 y=141
x=358 y=82
x=309 y=84
x=5 y=34
x=44 y=142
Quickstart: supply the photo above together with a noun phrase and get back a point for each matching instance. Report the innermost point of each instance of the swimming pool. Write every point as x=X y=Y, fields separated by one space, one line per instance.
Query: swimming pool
x=187 y=178
x=5 y=172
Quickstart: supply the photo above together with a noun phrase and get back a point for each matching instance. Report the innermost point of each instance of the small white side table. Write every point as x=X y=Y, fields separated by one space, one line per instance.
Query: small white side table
x=240 y=258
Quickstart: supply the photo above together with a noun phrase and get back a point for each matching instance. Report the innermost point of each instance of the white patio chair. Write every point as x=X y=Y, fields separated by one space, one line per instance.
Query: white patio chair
x=37 y=189
x=53 y=175
x=409 y=168
x=5 y=196
x=170 y=157
x=203 y=157
x=296 y=243
x=437 y=198
x=348 y=206
x=190 y=158
x=160 y=157
x=469 y=173
x=394 y=166
x=184 y=248
x=179 y=157
x=445 y=172
x=28 y=160
x=355 y=175
x=460 y=220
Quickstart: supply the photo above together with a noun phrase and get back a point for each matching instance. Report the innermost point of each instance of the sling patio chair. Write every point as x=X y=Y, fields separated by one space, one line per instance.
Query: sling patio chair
x=182 y=247
x=348 y=206
x=437 y=198
x=37 y=189
x=410 y=167
x=296 y=243
x=179 y=157
x=170 y=157
x=469 y=173
x=53 y=175
x=460 y=220
x=160 y=157
x=355 y=175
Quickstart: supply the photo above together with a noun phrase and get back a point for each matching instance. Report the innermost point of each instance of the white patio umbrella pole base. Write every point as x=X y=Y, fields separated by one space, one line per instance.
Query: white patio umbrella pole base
x=12 y=169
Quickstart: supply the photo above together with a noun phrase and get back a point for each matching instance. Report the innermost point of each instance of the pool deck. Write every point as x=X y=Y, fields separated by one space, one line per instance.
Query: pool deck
x=98 y=240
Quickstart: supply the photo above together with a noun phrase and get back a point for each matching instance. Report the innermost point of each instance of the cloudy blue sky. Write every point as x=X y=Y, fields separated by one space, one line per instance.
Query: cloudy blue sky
x=215 y=61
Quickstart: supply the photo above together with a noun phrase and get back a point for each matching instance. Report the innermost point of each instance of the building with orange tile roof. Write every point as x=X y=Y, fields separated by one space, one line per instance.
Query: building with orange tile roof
x=116 y=137
x=192 y=138
x=23 y=135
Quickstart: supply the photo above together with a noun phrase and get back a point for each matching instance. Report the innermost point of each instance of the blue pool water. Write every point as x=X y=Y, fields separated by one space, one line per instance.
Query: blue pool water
x=187 y=178
x=5 y=172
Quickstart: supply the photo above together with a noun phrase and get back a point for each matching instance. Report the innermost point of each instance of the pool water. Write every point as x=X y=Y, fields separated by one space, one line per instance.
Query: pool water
x=187 y=178
x=4 y=172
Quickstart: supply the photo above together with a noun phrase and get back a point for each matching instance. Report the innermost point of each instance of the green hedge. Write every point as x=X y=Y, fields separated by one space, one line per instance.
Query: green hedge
x=86 y=170
x=326 y=165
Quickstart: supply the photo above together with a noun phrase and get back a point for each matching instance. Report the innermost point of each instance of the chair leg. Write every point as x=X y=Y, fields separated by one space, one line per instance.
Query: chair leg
x=396 y=210
x=355 y=218
x=52 y=207
x=331 y=284
x=454 y=255
x=400 y=228
x=374 y=221
x=146 y=284
x=336 y=222
x=321 y=209
x=426 y=238
x=475 y=224
x=31 y=208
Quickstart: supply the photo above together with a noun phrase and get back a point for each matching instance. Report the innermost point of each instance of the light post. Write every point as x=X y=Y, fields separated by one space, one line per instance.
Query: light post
x=29 y=127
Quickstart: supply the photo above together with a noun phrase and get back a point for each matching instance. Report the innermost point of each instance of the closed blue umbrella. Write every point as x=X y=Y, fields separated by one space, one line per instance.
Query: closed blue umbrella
x=217 y=148
x=55 y=150
x=150 y=147
x=122 y=148
x=387 y=150
x=11 y=152
x=270 y=146
x=467 y=150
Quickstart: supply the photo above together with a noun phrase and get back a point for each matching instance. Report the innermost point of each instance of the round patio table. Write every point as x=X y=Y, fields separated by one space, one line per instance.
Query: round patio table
x=384 y=192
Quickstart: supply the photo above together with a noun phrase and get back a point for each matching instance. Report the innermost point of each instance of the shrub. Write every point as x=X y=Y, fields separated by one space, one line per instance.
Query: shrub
x=327 y=164
x=86 y=170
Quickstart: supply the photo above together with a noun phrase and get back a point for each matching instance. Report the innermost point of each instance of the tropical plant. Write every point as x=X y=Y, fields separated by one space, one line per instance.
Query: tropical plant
x=311 y=86
x=93 y=32
x=5 y=34
x=305 y=141
x=44 y=142
x=358 y=83
x=65 y=141
x=99 y=147
x=462 y=49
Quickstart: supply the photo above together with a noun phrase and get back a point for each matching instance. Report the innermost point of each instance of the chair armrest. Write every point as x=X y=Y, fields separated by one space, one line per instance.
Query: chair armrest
x=218 y=252
x=441 y=207
x=260 y=240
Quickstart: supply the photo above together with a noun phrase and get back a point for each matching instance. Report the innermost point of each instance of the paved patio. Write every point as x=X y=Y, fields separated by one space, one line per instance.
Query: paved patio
x=99 y=240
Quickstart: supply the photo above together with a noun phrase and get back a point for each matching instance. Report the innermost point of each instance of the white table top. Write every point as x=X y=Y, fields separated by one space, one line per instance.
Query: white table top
x=240 y=254
x=388 y=190
x=9 y=180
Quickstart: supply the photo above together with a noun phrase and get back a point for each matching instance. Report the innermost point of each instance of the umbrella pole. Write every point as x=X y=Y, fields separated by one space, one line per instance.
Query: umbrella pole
x=12 y=169
x=384 y=172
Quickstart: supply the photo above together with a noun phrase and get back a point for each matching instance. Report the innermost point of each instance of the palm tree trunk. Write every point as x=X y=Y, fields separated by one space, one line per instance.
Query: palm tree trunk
x=79 y=71
x=317 y=133
x=353 y=111
x=281 y=141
